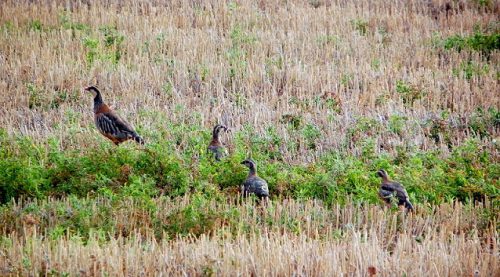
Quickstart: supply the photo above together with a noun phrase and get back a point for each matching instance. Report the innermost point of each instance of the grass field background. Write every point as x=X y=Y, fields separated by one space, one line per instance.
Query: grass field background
x=321 y=94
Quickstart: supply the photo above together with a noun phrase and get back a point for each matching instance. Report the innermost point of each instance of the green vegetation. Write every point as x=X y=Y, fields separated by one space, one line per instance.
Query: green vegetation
x=321 y=94
x=196 y=214
x=479 y=41
x=237 y=52
x=38 y=98
x=67 y=23
x=409 y=93
x=107 y=48
x=33 y=169
x=360 y=25
x=469 y=70
x=36 y=25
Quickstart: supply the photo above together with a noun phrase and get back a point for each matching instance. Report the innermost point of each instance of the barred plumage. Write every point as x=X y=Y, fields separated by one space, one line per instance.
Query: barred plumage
x=215 y=147
x=109 y=123
x=254 y=184
x=390 y=190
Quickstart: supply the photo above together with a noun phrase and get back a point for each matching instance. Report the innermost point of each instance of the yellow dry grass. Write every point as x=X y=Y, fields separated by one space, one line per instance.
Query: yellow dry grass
x=243 y=62
x=288 y=238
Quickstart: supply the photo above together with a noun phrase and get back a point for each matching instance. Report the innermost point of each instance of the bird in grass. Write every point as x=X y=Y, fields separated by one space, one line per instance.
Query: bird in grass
x=254 y=184
x=393 y=191
x=215 y=147
x=109 y=123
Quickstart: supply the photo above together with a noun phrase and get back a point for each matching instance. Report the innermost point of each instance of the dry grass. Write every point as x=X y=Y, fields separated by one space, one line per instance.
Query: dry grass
x=328 y=63
x=288 y=238
x=267 y=255
x=176 y=62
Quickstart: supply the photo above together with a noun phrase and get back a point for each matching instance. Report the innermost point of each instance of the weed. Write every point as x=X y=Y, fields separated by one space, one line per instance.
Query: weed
x=482 y=122
x=311 y=133
x=112 y=38
x=397 y=124
x=468 y=70
x=237 y=54
x=92 y=52
x=360 y=25
x=67 y=23
x=294 y=121
x=325 y=40
x=36 y=25
x=35 y=96
x=109 y=50
x=409 y=93
x=479 y=41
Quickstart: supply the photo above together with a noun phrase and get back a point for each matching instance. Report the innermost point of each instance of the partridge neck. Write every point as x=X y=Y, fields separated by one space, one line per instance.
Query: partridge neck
x=215 y=136
x=215 y=140
x=97 y=102
x=253 y=171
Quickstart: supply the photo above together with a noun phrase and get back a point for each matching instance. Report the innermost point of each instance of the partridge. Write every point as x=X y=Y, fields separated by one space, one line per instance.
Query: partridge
x=215 y=147
x=254 y=184
x=390 y=190
x=109 y=123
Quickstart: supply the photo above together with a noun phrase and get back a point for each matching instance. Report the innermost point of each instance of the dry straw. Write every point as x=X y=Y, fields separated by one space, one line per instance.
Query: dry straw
x=287 y=238
x=197 y=62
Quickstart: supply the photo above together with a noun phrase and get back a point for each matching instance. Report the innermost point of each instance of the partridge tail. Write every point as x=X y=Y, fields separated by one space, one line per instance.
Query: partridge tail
x=408 y=205
x=138 y=139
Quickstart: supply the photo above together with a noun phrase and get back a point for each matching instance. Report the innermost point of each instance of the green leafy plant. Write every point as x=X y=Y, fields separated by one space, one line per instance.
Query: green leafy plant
x=468 y=70
x=179 y=166
x=92 y=49
x=360 y=25
x=36 y=25
x=409 y=93
x=478 y=41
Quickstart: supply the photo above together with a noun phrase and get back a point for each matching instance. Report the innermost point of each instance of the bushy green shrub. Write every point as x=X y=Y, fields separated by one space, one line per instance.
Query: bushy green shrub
x=181 y=165
x=479 y=41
